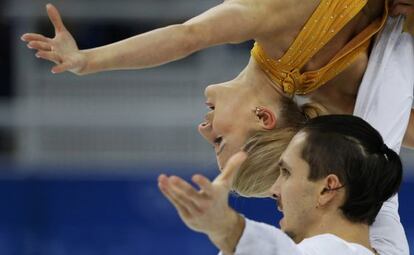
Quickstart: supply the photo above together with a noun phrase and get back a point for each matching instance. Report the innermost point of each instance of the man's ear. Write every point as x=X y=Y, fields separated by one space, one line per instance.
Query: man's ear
x=266 y=117
x=330 y=187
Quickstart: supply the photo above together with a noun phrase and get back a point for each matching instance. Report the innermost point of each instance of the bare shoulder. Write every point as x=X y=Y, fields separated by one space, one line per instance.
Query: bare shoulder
x=278 y=16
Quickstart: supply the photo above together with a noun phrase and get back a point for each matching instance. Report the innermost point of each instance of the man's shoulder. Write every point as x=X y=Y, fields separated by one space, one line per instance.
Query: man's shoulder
x=331 y=244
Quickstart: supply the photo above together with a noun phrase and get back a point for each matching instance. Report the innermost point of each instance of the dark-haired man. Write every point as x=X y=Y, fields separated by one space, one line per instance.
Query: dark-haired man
x=327 y=207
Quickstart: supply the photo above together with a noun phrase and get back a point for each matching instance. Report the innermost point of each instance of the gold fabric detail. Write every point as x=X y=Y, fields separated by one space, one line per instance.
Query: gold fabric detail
x=326 y=21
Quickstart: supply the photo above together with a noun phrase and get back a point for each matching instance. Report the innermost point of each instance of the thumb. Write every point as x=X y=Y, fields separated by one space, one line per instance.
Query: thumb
x=231 y=168
x=55 y=18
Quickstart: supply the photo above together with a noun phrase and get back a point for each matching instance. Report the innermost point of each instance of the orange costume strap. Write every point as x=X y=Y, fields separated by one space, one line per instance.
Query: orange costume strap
x=326 y=21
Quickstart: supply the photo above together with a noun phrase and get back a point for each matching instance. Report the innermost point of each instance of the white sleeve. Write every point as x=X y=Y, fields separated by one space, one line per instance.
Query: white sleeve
x=384 y=100
x=263 y=239
x=387 y=234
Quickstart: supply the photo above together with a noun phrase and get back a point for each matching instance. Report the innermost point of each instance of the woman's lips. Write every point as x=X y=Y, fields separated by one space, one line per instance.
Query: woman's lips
x=205 y=127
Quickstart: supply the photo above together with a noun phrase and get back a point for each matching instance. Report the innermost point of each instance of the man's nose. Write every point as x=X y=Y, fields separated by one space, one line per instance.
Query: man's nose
x=275 y=189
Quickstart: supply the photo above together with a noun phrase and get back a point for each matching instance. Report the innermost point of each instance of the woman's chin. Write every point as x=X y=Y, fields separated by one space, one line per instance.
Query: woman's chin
x=221 y=162
x=219 y=165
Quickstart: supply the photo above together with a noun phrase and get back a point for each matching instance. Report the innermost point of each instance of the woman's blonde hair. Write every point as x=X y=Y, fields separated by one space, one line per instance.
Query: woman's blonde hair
x=258 y=173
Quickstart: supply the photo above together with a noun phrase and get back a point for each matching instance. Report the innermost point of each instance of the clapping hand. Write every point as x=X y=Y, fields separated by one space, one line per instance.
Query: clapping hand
x=207 y=210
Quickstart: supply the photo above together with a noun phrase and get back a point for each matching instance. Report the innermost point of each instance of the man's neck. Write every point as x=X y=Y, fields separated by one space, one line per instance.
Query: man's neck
x=339 y=226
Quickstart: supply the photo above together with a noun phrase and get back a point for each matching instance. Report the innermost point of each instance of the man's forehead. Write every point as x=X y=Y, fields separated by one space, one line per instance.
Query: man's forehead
x=293 y=153
x=296 y=144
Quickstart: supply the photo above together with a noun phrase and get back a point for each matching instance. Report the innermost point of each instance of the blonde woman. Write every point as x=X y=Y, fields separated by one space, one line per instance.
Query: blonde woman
x=317 y=48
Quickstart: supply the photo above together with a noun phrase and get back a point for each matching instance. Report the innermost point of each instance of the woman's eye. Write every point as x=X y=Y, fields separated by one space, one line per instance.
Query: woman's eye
x=211 y=108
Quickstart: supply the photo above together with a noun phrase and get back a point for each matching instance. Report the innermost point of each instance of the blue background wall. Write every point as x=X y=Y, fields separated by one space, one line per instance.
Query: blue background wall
x=67 y=215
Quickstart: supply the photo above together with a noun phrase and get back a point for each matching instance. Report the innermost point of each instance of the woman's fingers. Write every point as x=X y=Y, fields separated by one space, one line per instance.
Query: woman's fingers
x=39 y=45
x=55 y=18
x=60 y=68
x=402 y=10
x=402 y=7
x=28 y=37
x=49 y=55
x=408 y=2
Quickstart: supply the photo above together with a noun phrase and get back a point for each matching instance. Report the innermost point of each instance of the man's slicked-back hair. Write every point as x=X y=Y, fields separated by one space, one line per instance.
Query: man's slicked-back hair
x=350 y=148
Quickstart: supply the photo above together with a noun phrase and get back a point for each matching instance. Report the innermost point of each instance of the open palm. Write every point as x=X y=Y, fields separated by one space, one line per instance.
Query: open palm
x=61 y=50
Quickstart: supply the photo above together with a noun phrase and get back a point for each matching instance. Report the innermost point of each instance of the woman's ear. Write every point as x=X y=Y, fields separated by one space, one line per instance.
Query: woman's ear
x=266 y=117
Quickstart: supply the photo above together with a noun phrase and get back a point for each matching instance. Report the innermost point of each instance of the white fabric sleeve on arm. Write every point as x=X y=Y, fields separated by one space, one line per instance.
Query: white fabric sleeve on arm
x=264 y=239
x=387 y=234
x=384 y=100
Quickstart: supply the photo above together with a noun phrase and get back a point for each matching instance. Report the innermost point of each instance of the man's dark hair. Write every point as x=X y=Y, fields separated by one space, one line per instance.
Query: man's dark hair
x=353 y=150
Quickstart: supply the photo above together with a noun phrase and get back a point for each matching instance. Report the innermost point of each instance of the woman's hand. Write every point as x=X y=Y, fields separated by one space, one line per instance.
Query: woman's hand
x=207 y=210
x=402 y=7
x=61 y=50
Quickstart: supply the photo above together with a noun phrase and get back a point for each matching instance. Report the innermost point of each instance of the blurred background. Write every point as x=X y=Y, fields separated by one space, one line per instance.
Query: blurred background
x=79 y=156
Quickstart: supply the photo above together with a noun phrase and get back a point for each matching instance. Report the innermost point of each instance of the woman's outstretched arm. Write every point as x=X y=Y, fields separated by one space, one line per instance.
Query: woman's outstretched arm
x=233 y=21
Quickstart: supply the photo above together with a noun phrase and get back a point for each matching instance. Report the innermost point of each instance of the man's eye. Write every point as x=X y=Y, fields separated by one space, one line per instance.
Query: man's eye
x=211 y=108
x=284 y=172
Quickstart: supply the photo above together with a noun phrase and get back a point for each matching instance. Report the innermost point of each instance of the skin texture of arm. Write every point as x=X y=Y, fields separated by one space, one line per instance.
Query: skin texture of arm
x=233 y=21
x=229 y=22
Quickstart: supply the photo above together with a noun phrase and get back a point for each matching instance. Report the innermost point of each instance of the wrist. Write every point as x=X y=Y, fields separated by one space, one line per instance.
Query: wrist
x=86 y=68
x=227 y=238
